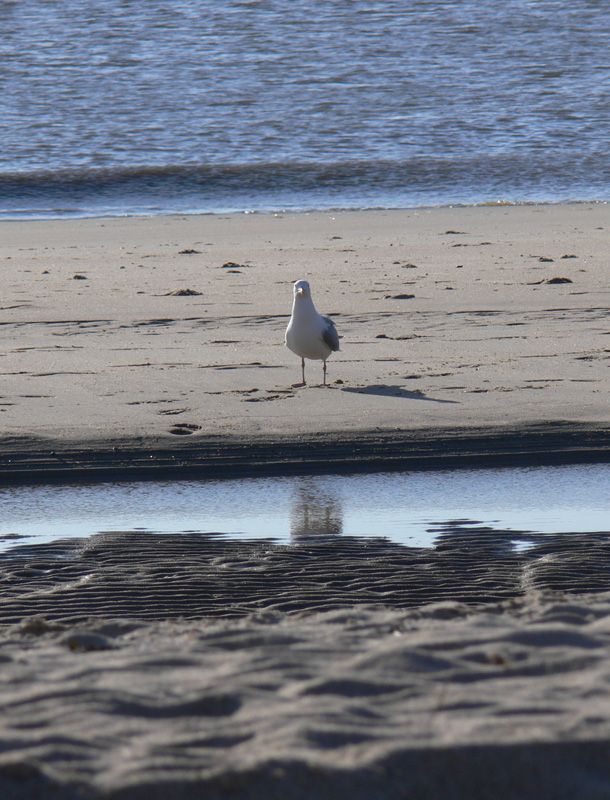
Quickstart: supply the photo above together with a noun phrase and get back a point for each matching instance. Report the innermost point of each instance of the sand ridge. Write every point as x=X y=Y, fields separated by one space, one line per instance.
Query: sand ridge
x=151 y=330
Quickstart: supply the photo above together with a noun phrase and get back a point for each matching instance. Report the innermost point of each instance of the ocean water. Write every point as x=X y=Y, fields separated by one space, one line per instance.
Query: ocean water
x=247 y=105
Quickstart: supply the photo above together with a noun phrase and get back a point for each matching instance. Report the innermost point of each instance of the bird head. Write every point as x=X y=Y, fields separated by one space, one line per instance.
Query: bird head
x=301 y=289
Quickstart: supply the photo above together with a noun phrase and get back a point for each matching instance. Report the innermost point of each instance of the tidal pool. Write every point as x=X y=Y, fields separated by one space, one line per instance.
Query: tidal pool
x=406 y=507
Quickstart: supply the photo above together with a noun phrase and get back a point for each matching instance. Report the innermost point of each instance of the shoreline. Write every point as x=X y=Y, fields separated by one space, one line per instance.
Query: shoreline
x=150 y=214
x=28 y=462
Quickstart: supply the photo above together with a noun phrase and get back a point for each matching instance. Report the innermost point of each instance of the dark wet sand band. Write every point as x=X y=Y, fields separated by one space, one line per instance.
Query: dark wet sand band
x=34 y=460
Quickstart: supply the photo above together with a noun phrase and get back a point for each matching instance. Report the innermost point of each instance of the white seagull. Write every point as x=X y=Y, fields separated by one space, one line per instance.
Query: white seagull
x=309 y=334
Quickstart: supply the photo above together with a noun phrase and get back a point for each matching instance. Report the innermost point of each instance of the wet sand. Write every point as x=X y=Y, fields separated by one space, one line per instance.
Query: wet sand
x=138 y=344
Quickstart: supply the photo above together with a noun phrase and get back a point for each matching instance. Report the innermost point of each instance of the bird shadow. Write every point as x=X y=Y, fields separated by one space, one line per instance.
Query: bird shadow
x=384 y=390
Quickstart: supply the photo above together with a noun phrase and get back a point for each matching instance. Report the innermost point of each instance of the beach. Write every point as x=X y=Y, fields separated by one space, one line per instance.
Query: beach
x=141 y=665
x=164 y=336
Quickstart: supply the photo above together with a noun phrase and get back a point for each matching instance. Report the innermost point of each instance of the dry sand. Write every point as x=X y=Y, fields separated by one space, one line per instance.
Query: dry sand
x=149 y=666
x=450 y=328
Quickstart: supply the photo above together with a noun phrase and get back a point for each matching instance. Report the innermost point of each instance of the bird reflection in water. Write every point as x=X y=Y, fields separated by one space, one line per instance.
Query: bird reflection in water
x=315 y=511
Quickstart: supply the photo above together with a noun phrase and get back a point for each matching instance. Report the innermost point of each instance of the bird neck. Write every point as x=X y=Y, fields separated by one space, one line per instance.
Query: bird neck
x=303 y=307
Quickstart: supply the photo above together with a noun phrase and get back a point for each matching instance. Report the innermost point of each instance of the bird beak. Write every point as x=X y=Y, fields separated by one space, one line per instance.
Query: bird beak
x=300 y=290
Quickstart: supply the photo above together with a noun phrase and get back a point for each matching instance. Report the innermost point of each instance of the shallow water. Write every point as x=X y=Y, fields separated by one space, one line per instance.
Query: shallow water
x=132 y=107
x=407 y=508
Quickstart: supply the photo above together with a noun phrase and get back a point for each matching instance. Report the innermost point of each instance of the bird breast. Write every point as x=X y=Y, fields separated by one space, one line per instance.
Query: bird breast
x=304 y=337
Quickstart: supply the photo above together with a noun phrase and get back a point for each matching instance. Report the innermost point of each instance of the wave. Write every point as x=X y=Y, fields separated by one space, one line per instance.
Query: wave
x=274 y=185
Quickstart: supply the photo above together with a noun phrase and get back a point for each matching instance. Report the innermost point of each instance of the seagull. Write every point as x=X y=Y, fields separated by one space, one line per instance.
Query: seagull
x=309 y=334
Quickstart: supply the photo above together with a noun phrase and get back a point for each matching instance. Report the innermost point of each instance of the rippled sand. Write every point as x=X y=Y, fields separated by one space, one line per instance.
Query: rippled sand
x=147 y=665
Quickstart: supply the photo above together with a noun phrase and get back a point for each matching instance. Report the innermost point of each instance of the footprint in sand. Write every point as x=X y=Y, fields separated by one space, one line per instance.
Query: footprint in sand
x=184 y=429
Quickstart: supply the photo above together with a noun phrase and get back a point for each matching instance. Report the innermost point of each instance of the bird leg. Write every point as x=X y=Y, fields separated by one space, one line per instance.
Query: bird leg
x=324 y=372
x=296 y=385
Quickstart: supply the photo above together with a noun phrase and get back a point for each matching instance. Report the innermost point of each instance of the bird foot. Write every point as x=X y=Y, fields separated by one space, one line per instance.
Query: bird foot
x=298 y=385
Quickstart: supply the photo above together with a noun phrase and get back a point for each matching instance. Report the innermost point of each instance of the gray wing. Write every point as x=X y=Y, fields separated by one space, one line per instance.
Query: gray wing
x=330 y=335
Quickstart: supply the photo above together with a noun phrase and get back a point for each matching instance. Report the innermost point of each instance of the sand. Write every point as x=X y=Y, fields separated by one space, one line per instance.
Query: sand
x=138 y=665
x=330 y=668
x=453 y=331
x=141 y=665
